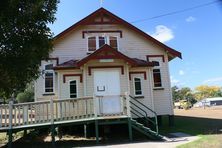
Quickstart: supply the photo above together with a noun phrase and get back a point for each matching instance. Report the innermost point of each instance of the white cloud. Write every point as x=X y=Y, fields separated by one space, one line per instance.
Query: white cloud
x=176 y=82
x=190 y=19
x=163 y=33
x=213 y=81
x=181 y=72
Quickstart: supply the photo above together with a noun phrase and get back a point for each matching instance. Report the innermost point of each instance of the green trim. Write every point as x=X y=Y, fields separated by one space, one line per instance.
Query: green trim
x=97 y=131
x=9 y=138
x=112 y=122
x=53 y=135
x=130 y=129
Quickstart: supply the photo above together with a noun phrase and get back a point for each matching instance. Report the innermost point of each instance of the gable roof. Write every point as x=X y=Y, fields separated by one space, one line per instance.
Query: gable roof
x=107 y=52
x=116 y=20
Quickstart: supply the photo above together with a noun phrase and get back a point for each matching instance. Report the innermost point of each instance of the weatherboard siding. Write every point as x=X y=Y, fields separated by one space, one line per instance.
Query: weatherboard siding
x=74 y=46
x=90 y=78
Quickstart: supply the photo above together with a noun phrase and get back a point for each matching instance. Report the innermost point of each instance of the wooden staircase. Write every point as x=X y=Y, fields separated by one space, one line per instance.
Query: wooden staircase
x=145 y=130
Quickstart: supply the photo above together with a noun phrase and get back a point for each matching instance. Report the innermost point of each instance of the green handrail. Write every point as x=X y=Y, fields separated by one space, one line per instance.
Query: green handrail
x=155 y=114
x=143 y=105
x=141 y=113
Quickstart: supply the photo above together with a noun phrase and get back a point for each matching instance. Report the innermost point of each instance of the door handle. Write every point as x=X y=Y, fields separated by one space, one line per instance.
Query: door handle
x=98 y=88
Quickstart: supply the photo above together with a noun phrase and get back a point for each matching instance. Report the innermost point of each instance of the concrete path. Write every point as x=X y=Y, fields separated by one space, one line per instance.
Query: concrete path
x=180 y=138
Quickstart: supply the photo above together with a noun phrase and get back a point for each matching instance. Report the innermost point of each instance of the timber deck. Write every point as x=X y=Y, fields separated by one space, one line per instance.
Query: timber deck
x=53 y=112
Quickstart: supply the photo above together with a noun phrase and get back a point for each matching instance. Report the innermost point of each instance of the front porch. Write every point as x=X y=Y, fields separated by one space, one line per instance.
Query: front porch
x=54 y=113
x=15 y=116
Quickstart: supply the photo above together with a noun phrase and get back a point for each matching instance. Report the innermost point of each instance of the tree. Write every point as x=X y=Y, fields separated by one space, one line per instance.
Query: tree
x=175 y=93
x=184 y=93
x=205 y=91
x=25 y=39
x=27 y=95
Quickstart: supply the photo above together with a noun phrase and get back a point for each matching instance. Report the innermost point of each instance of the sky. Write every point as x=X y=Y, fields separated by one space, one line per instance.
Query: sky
x=196 y=33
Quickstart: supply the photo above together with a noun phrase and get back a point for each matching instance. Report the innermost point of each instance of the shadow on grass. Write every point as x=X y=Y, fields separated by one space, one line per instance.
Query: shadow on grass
x=73 y=143
x=193 y=125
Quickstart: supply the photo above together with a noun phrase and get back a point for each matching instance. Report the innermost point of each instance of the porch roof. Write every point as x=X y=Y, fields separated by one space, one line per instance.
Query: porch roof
x=71 y=64
x=105 y=52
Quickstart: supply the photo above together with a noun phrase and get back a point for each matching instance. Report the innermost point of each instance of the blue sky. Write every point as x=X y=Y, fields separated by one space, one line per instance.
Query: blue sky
x=196 y=33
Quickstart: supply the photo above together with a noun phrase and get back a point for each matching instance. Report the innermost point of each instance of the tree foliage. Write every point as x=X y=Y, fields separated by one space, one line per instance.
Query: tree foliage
x=25 y=39
x=27 y=95
x=205 y=91
x=184 y=93
x=199 y=93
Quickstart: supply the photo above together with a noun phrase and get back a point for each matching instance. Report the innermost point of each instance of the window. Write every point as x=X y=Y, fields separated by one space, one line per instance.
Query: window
x=92 y=43
x=102 y=41
x=73 y=89
x=96 y=42
x=157 y=78
x=137 y=87
x=113 y=42
x=49 y=78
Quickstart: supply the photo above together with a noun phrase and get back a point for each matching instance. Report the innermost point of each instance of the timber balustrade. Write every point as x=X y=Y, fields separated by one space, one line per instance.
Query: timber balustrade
x=49 y=112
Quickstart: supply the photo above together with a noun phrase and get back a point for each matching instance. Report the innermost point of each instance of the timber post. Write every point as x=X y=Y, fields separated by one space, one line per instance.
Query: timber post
x=10 y=125
x=130 y=129
x=95 y=100
x=129 y=116
x=85 y=131
x=52 y=122
x=97 y=131
x=171 y=120
x=127 y=104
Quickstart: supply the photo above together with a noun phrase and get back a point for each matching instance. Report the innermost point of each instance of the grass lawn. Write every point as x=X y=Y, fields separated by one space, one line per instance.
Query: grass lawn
x=210 y=130
x=206 y=141
x=3 y=138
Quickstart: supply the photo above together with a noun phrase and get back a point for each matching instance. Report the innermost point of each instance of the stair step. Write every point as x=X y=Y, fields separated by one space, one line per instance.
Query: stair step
x=145 y=130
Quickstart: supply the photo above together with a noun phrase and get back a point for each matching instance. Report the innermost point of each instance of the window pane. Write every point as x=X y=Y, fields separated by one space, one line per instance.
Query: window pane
x=156 y=63
x=49 y=67
x=48 y=74
x=113 y=42
x=73 y=89
x=92 y=43
x=138 y=87
x=138 y=92
x=157 y=78
x=101 y=41
x=49 y=82
x=73 y=83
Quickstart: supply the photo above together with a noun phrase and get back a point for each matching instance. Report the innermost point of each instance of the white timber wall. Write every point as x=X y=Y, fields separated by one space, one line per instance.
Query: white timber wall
x=73 y=46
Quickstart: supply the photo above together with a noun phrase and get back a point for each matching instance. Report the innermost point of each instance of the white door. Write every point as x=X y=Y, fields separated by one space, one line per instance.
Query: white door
x=107 y=85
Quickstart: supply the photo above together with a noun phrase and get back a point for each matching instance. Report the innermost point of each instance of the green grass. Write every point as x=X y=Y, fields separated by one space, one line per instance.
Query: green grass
x=206 y=141
x=3 y=138
x=193 y=126
x=210 y=131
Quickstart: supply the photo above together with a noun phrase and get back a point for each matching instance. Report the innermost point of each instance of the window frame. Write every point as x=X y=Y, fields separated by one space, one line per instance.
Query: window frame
x=134 y=86
x=88 y=44
x=117 y=39
x=161 y=82
x=107 y=41
x=159 y=60
x=77 y=90
x=53 y=78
